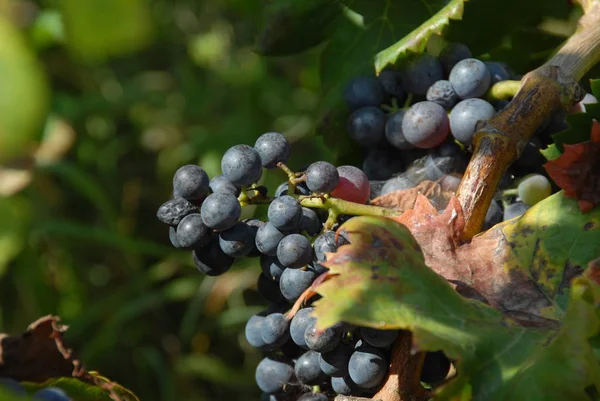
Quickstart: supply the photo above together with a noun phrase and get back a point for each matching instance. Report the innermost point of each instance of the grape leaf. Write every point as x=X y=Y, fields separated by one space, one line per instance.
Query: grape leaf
x=577 y=170
x=293 y=26
x=417 y=39
x=385 y=282
x=40 y=357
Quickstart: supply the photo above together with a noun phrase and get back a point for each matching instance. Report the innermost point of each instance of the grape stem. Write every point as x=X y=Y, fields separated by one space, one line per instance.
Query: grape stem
x=500 y=141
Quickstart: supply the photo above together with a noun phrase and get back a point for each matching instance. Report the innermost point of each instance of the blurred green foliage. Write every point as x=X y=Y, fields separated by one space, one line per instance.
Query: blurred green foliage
x=137 y=89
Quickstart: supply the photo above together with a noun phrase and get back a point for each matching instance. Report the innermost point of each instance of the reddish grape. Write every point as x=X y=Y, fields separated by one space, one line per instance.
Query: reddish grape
x=353 y=186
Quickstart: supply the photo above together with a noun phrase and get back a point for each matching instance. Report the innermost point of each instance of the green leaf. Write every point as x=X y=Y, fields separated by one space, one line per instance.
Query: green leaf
x=24 y=95
x=595 y=85
x=417 y=39
x=385 y=283
x=83 y=391
x=551 y=152
x=99 y=29
x=293 y=26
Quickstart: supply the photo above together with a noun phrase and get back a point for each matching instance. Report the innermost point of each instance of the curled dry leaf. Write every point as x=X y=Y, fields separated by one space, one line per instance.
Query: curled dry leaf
x=577 y=170
x=405 y=199
x=41 y=355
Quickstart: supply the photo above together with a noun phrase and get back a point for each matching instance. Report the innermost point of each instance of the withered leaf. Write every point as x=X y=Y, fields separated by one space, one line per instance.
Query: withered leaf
x=404 y=199
x=577 y=170
x=40 y=355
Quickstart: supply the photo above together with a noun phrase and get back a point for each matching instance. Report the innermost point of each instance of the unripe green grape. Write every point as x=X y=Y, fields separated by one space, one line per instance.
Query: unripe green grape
x=534 y=188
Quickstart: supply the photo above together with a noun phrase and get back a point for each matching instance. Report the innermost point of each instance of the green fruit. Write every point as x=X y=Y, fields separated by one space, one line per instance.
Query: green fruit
x=534 y=188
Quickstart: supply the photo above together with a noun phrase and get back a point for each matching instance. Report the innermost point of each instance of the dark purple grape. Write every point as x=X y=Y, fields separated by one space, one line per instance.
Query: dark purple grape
x=241 y=165
x=442 y=92
x=470 y=78
x=268 y=238
x=220 y=211
x=391 y=82
x=322 y=177
x=171 y=212
x=192 y=232
x=420 y=73
x=294 y=251
x=211 y=260
x=271 y=267
x=452 y=54
x=497 y=71
x=301 y=320
x=272 y=374
x=293 y=282
x=367 y=367
x=426 y=125
x=238 y=241
x=310 y=222
x=308 y=370
x=321 y=341
x=190 y=182
x=465 y=115
x=393 y=131
x=366 y=126
x=378 y=338
x=362 y=92
x=285 y=213
x=272 y=148
x=275 y=330
x=335 y=363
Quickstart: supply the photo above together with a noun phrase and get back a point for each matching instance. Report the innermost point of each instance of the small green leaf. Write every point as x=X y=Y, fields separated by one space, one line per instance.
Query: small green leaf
x=385 y=283
x=293 y=26
x=99 y=29
x=417 y=39
x=595 y=85
x=24 y=98
x=551 y=152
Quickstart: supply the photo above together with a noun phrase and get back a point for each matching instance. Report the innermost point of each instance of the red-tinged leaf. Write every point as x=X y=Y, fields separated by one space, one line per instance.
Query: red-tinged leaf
x=384 y=282
x=405 y=199
x=577 y=170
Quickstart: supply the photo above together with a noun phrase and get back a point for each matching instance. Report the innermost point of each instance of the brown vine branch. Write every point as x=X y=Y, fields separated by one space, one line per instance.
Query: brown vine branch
x=500 y=141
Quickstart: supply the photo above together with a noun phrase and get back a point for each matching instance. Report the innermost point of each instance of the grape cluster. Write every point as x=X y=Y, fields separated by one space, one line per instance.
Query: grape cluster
x=45 y=394
x=204 y=217
x=417 y=123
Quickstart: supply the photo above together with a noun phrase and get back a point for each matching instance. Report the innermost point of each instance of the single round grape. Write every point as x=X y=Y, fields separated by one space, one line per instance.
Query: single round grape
x=310 y=222
x=381 y=164
x=192 y=232
x=238 y=241
x=343 y=385
x=301 y=320
x=393 y=131
x=321 y=341
x=470 y=78
x=465 y=115
x=12 y=386
x=272 y=374
x=275 y=329
x=534 y=189
x=452 y=54
x=220 y=211
x=313 y=397
x=221 y=184
x=307 y=368
x=324 y=243
x=420 y=73
x=293 y=282
x=366 y=126
x=515 y=210
x=271 y=267
x=268 y=238
x=285 y=213
x=190 y=182
x=425 y=125
x=269 y=289
x=272 y=148
x=367 y=367
x=353 y=185
x=211 y=260
x=322 y=177
x=497 y=72
x=253 y=331
x=335 y=362
x=362 y=92
x=442 y=92
x=294 y=251
x=241 y=165
x=391 y=83
x=171 y=212
x=378 y=338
